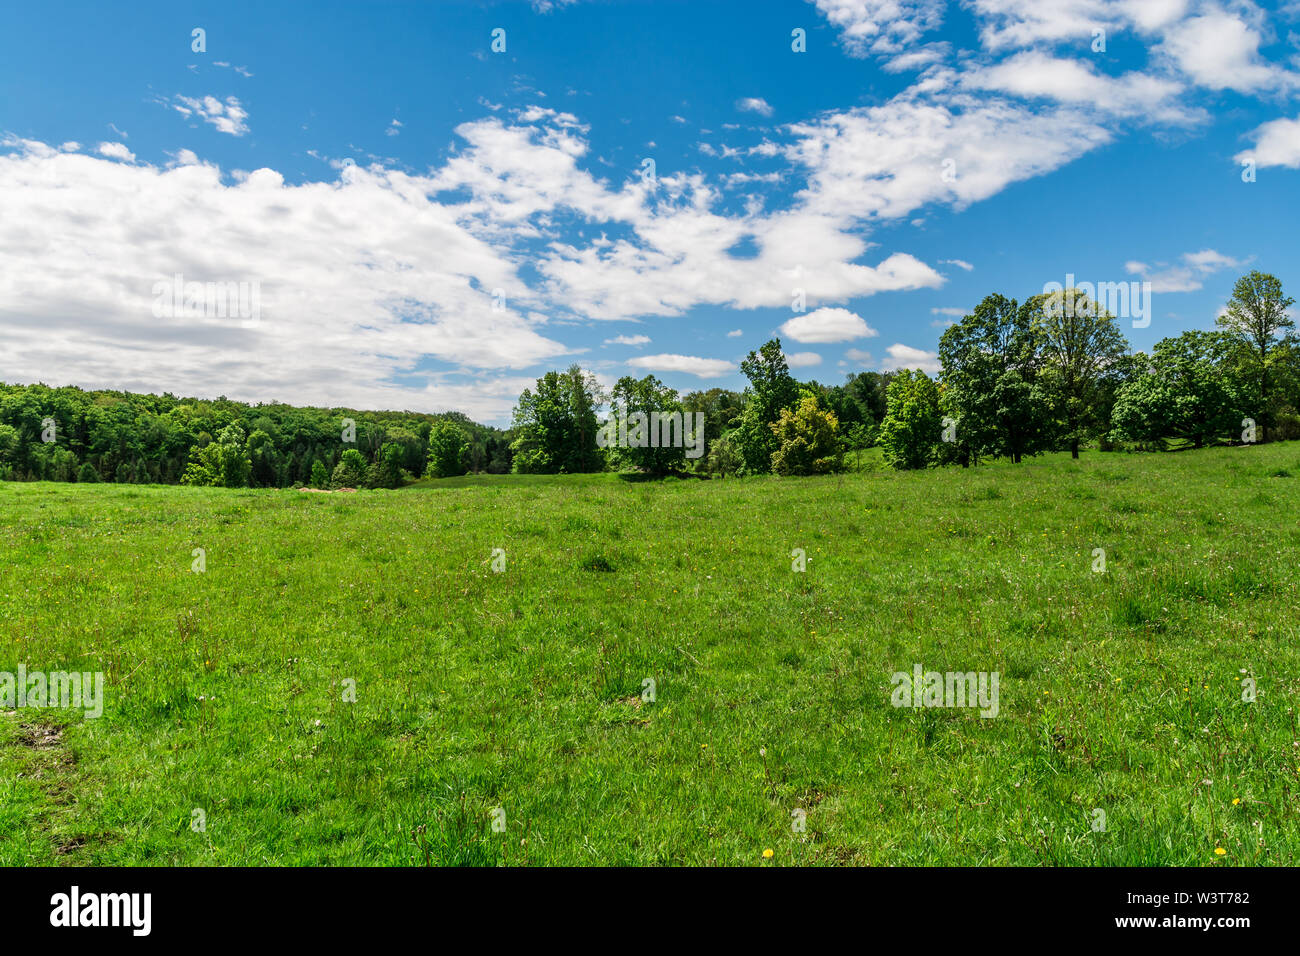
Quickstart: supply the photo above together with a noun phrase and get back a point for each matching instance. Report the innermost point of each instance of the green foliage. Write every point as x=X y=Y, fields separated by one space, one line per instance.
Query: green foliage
x=320 y=477
x=721 y=409
x=649 y=417
x=1082 y=352
x=724 y=456
x=144 y=438
x=910 y=433
x=1186 y=392
x=808 y=440
x=990 y=383
x=87 y=474
x=351 y=470
x=555 y=426
x=223 y=463
x=771 y=388
x=386 y=471
x=448 y=451
x=1254 y=316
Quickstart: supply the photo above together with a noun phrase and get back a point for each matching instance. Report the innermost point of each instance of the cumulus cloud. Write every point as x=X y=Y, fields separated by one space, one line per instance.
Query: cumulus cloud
x=628 y=340
x=690 y=364
x=802 y=359
x=1037 y=75
x=827 y=325
x=1186 y=276
x=754 y=104
x=904 y=356
x=363 y=282
x=1277 y=143
x=113 y=151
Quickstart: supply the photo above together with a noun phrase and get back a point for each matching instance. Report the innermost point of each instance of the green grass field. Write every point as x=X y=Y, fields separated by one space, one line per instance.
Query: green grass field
x=521 y=690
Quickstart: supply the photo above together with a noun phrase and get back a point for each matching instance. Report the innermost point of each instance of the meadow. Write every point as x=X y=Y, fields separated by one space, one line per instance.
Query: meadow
x=502 y=717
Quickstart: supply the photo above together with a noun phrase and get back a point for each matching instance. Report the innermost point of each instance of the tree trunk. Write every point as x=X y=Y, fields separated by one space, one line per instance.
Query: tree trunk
x=1074 y=448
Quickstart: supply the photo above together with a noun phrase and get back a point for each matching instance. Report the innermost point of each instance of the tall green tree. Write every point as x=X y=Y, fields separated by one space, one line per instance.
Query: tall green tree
x=771 y=388
x=910 y=433
x=1255 y=315
x=1186 y=390
x=646 y=428
x=448 y=450
x=990 y=386
x=555 y=425
x=1081 y=347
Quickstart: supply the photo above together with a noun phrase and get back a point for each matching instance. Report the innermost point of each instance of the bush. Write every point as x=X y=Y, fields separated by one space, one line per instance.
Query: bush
x=808 y=441
x=448 y=451
x=350 y=472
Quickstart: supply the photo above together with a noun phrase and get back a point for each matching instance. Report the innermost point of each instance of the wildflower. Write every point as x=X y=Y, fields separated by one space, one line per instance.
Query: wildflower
x=1219 y=851
x=767 y=854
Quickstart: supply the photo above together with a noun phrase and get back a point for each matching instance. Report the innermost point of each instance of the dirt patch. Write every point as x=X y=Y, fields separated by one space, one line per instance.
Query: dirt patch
x=36 y=736
x=70 y=845
x=325 y=491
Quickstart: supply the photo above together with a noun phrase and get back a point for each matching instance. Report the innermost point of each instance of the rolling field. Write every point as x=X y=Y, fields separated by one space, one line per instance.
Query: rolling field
x=521 y=691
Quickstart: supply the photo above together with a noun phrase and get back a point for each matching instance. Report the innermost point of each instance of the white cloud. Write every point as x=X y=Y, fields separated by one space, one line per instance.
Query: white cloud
x=1187 y=277
x=858 y=356
x=690 y=364
x=827 y=325
x=948 y=310
x=881 y=26
x=1277 y=143
x=904 y=356
x=628 y=340
x=365 y=274
x=735 y=333
x=228 y=117
x=754 y=104
x=1033 y=74
x=802 y=359
x=949 y=147
x=959 y=263
x=116 y=151
x=1220 y=50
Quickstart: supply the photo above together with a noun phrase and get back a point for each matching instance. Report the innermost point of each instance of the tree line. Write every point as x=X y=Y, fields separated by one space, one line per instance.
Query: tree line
x=70 y=434
x=1053 y=373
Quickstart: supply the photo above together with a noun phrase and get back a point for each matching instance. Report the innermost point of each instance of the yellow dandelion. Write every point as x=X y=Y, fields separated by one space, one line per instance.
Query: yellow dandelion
x=767 y=854
x=1235 y=801
x=1219 y=851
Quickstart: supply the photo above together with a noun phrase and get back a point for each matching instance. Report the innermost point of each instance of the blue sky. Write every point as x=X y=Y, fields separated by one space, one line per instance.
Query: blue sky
x=431 y=224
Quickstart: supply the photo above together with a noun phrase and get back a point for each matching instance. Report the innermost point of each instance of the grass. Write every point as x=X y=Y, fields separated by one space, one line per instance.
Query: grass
x=522 y=690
